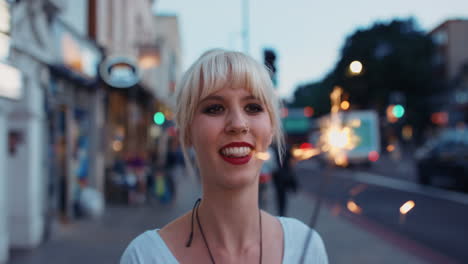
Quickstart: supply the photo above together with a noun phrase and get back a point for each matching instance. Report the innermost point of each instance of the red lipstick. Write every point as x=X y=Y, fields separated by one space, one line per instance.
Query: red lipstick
x=237 y=160
x=238 y=144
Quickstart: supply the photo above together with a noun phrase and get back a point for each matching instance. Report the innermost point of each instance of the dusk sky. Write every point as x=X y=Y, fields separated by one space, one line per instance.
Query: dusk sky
x=307 y=35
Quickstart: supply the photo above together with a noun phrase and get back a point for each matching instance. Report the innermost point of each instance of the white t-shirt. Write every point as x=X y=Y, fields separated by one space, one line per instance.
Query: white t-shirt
x=149 y=247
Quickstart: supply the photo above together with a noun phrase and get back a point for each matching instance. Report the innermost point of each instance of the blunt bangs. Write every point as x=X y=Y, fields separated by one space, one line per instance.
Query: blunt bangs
x=221 y=69
x=218 y=69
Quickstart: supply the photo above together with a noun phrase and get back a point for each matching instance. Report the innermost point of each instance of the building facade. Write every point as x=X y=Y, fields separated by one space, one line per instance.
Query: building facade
x=26 y=169
x=166 y=75
x=62 y=124
x=451 y=65
x=450 y=39
x=132 y=32
x=52 y=124
x=10 y=91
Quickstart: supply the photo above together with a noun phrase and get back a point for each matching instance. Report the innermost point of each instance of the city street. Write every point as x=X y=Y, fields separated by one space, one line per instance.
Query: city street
x=103 y=102
x=349 y=238
x=434 y=229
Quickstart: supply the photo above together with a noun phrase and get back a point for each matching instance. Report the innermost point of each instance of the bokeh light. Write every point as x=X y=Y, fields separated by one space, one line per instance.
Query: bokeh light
x=159 y=118
x=353 y=207
x=406 y=207
x=355 y=67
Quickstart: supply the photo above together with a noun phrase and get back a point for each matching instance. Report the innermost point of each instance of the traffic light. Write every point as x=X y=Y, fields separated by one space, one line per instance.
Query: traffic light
x=269 y=57
x=398 y=111
x=159 y=118
x=395 y=112
x=308 y=111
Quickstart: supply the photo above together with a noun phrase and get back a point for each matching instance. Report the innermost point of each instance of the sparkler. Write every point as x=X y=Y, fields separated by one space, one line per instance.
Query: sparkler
x=338 y=137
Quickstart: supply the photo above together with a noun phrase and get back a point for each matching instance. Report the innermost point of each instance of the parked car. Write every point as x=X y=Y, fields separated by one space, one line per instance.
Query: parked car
x=444 y=159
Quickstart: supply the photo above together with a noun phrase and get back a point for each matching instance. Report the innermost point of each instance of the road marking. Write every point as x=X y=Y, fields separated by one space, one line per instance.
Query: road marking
x=407 y=186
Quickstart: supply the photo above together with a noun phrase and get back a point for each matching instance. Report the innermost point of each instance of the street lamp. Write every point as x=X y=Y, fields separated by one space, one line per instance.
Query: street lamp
x=355 y=67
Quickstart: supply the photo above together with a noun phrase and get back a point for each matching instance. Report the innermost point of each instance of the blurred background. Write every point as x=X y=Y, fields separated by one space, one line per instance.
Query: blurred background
x=375 y=111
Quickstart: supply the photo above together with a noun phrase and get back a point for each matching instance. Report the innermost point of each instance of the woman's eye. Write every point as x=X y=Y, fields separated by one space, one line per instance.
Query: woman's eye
x=253 y=108
x=213 y=109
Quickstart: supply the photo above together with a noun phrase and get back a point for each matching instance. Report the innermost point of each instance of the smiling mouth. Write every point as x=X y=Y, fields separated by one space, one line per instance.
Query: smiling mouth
x=237 y=153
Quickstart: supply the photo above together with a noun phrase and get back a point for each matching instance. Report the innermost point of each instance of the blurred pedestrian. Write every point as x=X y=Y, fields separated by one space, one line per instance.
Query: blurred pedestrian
x=170 y=169
x=228 y=112
x=284 y=180
x=164 y=174
x=269 y=166
x=136 y=178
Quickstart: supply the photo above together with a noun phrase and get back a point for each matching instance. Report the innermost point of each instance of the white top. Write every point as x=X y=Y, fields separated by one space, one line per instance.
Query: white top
x=149 y=247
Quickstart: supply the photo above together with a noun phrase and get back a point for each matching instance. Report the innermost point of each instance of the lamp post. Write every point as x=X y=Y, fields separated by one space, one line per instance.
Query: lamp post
x=355 y=68
x=245 y=20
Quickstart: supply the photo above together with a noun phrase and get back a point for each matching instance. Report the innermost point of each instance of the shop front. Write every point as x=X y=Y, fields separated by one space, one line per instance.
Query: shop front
x=10 y=90
x=75 y=110
x=129 y=115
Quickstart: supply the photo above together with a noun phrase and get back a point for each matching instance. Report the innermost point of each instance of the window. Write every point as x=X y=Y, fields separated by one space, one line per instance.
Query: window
x=4 y=30
x=440 y=37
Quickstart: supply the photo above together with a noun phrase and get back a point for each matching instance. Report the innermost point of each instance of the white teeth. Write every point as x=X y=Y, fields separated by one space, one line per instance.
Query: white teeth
x=236 y=151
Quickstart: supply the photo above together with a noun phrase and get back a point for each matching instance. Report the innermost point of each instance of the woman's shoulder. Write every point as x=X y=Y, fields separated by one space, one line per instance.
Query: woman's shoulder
x=148 y=247
x=296 y=235
x=293 y=224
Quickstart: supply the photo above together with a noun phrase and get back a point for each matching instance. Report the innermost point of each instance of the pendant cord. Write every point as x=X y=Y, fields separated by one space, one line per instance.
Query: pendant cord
x=204 y=238
x=195 y=211
x=261 y=240
x=189 y=241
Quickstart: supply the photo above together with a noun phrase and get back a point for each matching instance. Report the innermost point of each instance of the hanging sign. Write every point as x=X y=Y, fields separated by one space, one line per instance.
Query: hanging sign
x=120 y=72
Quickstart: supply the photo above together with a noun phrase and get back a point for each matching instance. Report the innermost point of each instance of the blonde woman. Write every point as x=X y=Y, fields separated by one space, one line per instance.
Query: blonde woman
x=227 y=111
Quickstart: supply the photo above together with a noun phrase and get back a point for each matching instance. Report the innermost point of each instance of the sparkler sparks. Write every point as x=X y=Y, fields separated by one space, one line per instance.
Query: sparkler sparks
x=337 y=137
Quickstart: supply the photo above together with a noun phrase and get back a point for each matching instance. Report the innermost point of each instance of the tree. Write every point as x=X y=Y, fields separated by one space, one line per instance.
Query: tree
x=315 y=95
x=396 y=57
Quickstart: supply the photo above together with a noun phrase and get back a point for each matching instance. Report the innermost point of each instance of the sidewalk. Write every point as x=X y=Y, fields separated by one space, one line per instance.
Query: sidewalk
x=346 y=242
x=103 y=241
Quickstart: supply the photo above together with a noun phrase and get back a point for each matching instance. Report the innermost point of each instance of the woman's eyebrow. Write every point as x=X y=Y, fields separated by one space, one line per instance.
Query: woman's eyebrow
x=249 y=97
x=212 y=97
x=221 y=98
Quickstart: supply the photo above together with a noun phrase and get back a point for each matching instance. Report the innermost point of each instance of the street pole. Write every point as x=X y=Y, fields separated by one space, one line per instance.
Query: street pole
x=245 y=22
x=4 y=234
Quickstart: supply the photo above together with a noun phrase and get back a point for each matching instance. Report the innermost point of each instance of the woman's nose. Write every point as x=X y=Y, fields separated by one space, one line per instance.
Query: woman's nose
x=237 y=123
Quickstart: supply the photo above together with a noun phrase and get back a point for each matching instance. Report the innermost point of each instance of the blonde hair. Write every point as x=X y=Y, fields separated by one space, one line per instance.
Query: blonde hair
x=214 y=70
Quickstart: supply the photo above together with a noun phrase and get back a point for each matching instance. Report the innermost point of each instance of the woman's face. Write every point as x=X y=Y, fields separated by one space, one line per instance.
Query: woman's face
x=228 y=128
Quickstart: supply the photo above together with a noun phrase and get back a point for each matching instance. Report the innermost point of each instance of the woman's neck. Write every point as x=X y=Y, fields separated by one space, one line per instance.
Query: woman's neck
x=230 y=218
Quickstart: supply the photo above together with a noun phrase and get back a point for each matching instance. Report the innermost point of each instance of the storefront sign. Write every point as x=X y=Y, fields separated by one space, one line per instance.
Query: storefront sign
x=76 y=54
x=11 y=82
x=120 y=72
x=4 y=17
x=4 y=30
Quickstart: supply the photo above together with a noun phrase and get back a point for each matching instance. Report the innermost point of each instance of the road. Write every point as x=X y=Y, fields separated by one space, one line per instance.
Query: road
x=435 y=226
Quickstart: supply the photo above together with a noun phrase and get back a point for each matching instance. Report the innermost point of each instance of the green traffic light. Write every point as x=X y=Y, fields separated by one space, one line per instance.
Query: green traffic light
x=159 y=118
x=398 y=111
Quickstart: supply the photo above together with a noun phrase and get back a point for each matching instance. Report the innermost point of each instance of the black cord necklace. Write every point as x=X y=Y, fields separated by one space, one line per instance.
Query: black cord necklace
x=189 y=242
